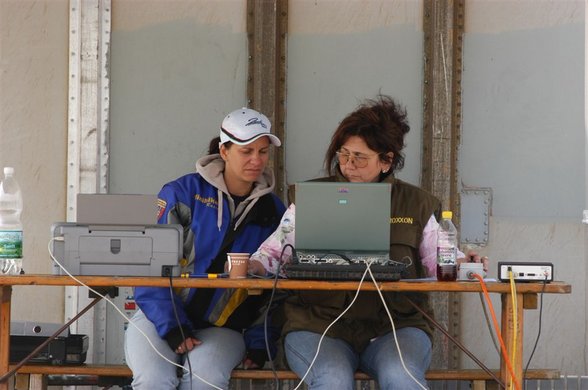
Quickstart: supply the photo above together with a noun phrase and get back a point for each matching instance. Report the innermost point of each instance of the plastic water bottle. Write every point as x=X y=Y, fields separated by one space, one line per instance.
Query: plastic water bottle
x=446 y=249
x=10 y=225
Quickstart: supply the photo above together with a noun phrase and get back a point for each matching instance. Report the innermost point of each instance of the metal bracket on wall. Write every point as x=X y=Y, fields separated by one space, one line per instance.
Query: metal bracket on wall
x=476 y=207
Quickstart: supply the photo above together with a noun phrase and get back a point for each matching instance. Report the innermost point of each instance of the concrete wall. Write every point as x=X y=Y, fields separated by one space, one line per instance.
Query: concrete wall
x=176 y=71
x=523 y=136
x=33 y=134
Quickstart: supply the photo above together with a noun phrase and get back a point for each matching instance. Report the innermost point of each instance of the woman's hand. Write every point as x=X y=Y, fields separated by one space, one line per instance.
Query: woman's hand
x=473 y=257
x=187 y=345
x=256 y=268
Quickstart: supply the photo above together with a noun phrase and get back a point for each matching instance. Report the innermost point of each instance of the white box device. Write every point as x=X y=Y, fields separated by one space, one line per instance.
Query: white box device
x=525 y=271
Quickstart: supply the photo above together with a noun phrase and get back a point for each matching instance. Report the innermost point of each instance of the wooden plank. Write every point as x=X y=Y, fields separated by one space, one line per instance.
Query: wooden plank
x=123 y=370
x=425 y=285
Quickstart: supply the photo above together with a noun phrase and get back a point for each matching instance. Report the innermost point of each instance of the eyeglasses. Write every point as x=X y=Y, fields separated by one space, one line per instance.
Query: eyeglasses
x=360 y=161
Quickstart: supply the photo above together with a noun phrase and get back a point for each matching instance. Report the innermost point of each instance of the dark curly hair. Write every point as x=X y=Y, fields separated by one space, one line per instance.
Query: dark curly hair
x=381 y=123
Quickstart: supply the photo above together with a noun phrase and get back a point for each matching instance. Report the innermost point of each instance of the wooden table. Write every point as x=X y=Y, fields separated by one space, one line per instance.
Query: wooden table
x=526 y=298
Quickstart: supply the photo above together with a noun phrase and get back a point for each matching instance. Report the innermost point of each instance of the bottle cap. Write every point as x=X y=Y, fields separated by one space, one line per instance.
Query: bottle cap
x=447 y=214
x=585 y=217
x=8 y=170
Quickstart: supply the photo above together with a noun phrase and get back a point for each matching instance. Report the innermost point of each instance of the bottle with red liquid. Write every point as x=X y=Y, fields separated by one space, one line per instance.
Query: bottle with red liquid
x=446 y=249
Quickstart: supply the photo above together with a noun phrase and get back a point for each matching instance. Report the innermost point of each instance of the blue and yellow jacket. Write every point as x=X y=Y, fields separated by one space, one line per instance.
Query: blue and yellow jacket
x=201 y=204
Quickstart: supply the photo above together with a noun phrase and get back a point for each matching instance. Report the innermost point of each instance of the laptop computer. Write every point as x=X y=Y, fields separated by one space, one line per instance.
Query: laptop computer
x=341 y=227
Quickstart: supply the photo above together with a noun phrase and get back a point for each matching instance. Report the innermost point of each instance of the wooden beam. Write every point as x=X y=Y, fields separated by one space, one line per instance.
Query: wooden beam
x=267 y=23
x=443 y=26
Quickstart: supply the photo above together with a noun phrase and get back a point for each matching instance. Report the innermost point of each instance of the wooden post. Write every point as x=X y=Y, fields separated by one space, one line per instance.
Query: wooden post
x=267 y=24
x=443 y=34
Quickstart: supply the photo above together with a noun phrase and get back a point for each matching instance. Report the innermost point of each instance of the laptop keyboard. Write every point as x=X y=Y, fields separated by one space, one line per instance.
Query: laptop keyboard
x=330 y=271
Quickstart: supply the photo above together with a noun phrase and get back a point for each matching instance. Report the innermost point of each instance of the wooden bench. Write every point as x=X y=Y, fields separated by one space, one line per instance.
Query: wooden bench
x=35 y=376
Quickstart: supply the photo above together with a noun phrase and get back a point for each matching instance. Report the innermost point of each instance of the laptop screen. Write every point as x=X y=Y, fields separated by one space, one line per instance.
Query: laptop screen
x=335 y=217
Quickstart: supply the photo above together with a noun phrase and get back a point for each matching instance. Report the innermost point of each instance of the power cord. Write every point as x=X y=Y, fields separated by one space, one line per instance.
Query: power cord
x=368 y=268
x=266 y=316
x=329 y=327
x=515 y=324
x=177 y=317
x=497 y=330
x=61 y=238
x=488 y=323
x=538 y=331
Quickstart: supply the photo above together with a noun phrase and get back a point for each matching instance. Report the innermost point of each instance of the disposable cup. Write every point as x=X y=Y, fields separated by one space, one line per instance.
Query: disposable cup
x=238 y=264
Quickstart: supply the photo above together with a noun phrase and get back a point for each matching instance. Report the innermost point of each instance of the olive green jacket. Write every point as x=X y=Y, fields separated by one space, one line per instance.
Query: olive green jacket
x=411 y=209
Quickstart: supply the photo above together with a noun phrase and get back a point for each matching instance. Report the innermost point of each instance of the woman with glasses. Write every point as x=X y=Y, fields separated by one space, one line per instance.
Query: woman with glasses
x=366 y=147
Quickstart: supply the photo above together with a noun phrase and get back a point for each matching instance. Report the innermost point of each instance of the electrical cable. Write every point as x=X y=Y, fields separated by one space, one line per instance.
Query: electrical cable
x=539 y=330
x=266 y=316
x=456 y=342
x=488 y=324
x=393 y=328
x=329 y=327
x=177 y=317
x=497 y=329
x=120 y=312
x=513 y=293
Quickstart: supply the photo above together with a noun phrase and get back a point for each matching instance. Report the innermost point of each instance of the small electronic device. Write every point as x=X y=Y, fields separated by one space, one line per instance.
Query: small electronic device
x=468 y=270
x=531 y=271
x=65 y=348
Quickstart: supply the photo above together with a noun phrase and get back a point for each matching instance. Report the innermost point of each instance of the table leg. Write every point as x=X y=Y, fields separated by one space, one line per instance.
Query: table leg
x=508 y=335
x=5 y=295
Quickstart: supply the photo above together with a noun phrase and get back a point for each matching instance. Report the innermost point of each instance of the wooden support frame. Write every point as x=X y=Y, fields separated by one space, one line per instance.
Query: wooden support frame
x=443 y=24
x=267 y=25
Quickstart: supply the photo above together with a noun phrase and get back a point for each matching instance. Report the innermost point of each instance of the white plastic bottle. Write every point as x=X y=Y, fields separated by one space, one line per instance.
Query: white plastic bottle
x=10 y=225
x=446 y=249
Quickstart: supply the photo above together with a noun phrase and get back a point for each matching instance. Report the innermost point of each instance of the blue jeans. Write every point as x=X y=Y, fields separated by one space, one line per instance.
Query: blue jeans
x=337 y=361
x=221 y=350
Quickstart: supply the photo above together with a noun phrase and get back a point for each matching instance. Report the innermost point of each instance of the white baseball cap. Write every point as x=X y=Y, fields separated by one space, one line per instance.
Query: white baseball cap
x=244 y=126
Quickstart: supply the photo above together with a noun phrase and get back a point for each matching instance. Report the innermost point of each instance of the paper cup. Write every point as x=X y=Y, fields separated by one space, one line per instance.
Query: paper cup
x=238 y=264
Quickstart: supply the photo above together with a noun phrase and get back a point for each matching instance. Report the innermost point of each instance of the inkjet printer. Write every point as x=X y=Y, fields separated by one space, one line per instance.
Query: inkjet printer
x=116 y=235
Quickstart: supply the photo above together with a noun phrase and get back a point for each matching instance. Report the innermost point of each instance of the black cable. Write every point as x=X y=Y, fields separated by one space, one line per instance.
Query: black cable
x=266 y=316
x=341 y=256
x=488 y=323
x=538 y=332
x=173 y=302
x=456 y=342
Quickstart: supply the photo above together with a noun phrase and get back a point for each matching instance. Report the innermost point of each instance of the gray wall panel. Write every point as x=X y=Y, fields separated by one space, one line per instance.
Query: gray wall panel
x=523 y=121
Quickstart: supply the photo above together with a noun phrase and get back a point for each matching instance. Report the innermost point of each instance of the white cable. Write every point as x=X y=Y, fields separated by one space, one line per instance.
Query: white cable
x=121 y=313
x=393 y=329
x=318 y=348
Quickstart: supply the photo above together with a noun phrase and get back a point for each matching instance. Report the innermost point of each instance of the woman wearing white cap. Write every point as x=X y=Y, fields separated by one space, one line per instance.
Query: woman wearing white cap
x=227 y=205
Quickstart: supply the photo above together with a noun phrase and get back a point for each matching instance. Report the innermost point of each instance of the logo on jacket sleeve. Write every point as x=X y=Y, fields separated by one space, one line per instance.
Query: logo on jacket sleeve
x=161 y=204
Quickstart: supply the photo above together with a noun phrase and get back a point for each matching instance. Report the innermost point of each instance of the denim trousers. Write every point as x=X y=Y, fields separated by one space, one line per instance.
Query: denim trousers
x=337 y=361
x=221 y=350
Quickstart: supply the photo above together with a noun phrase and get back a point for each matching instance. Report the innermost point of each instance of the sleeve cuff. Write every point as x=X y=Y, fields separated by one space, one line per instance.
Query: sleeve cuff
x=174 y=337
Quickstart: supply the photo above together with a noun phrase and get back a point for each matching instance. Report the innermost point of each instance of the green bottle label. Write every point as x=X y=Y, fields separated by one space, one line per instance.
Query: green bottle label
x=10 y=244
